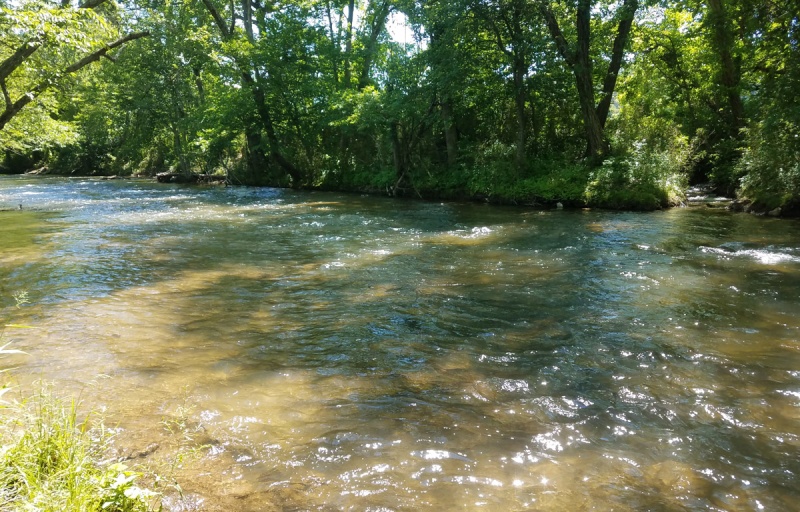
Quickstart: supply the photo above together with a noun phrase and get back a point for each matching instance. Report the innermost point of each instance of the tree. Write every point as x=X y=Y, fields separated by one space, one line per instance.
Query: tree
x=253 y=79
x=579 y=58
x=58 y=32
x=510 y=23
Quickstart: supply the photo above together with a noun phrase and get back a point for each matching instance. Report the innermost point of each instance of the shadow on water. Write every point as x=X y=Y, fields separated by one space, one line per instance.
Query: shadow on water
x=342 y=352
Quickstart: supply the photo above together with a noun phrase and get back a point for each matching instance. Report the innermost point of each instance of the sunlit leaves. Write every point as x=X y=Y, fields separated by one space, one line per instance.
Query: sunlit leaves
x=37 y=23
x=40 y=41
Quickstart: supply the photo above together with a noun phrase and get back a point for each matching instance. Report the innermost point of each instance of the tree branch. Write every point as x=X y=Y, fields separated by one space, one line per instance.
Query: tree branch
x=95 y=56
x=26 y=49
x=91 y=4
x=628 y=8
x=223 y=28
x=233 y=18
x=377 y=27
x=478 y=7
x=555 y=32
x=13 y=109
x=335 y=42
x=18 y=57
x=6 y=96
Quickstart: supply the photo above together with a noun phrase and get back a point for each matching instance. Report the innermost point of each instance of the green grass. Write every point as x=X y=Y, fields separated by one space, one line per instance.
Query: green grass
x=50 y=460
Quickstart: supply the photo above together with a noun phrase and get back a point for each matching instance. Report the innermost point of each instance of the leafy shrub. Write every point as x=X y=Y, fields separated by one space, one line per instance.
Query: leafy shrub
x=645 y=179
x=549 y=180
x=557 y=181
x=770 y=165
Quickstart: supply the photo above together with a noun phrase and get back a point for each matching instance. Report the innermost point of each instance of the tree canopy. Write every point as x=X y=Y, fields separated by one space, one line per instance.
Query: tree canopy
x=616 y=104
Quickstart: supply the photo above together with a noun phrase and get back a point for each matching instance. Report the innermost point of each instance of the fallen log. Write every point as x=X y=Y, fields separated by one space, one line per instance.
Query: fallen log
x=179 y=177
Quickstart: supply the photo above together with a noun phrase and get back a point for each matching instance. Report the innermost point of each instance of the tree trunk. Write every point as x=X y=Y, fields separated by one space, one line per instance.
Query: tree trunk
x=272 y=137
x=198 y=81
x=348 y=45
x=596 y=147
x=594 y=116
x=183 y=164
x=253 y=85
x=378 y=25
x=629 y=8
x=344 y=140
x=256 y=159
x=335 y=41
x=398 y=157
x=520 y=68
x=730 y=74
x=450 y=133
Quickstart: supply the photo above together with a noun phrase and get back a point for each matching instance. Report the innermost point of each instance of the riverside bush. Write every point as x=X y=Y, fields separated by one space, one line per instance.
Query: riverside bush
x=770 y=165
x=544 y=180
x=644 y=179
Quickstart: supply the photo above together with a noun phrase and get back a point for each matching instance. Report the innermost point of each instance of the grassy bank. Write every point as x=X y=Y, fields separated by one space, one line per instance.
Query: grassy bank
x=52 y=460
x=639 y=180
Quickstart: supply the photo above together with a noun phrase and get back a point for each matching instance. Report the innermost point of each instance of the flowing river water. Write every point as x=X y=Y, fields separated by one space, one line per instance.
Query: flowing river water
x=315 y=351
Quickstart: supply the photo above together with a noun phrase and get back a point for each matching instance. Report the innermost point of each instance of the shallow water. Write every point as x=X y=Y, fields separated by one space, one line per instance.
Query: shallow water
x=317 y=351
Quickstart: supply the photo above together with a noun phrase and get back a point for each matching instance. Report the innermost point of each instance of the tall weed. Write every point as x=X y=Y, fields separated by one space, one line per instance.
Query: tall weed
x=51 y=460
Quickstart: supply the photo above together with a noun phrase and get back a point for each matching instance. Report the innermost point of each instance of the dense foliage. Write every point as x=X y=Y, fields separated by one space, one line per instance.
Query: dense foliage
x=616 y=104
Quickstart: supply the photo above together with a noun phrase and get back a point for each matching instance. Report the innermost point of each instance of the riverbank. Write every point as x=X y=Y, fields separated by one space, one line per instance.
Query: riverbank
x=52 y=460
x=556 y=190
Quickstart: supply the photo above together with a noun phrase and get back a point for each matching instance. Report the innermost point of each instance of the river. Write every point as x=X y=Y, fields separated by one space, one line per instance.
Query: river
x=315 y=351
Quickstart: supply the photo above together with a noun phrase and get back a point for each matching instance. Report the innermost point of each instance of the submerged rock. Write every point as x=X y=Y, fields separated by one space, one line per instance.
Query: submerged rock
x=739 y=206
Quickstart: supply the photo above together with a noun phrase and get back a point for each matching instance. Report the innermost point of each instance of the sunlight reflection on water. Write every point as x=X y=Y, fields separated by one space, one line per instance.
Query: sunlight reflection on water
x=336 y=352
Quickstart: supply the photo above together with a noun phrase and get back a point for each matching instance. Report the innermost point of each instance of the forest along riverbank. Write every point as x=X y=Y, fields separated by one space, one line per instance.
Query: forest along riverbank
x=315 y=350
x=615 y=105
